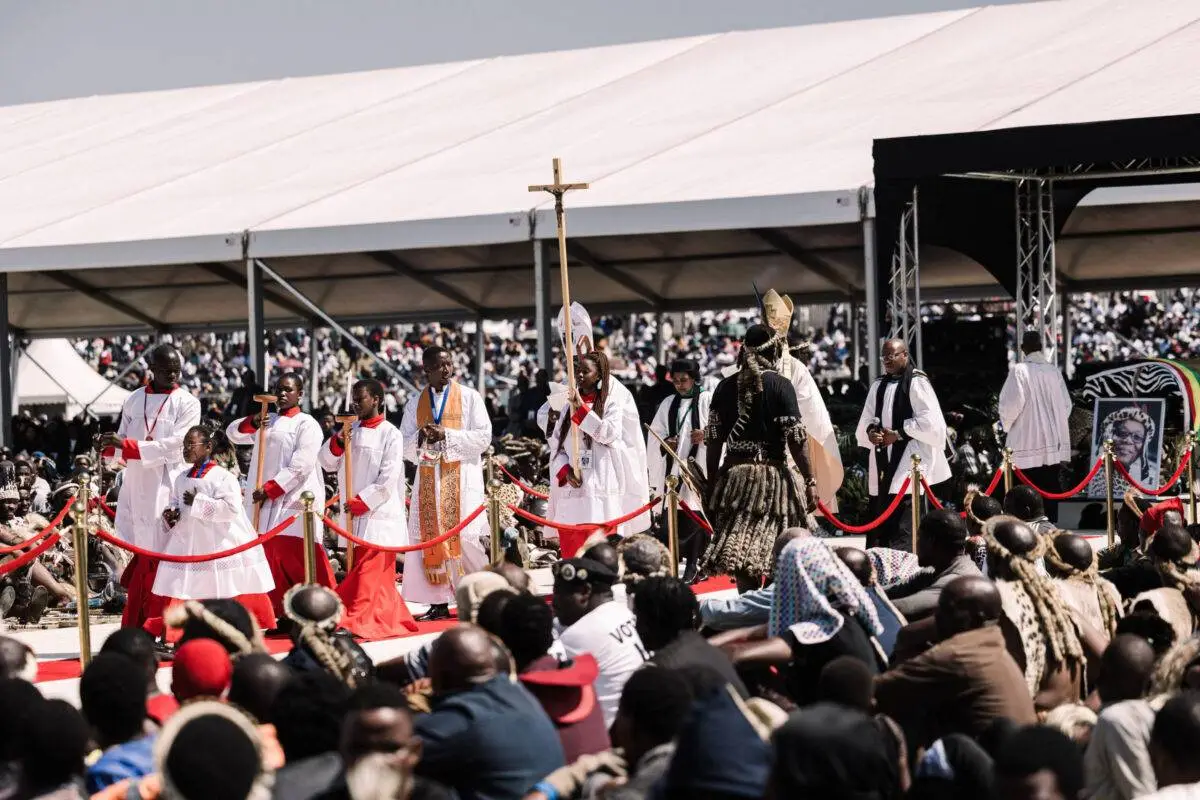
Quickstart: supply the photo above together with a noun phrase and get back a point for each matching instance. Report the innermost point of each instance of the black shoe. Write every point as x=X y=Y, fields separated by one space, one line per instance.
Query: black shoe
x=435 y=612
x=37 y=606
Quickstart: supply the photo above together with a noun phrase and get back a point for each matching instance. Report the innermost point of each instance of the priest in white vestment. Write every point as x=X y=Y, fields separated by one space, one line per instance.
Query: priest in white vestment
x=901 y=417
x=609 y=480
x=681 y=421
x=824 y=456
x=149 y=439
x=1035 y=407
x=292 y=441
x=375 y=504
x=446 y=432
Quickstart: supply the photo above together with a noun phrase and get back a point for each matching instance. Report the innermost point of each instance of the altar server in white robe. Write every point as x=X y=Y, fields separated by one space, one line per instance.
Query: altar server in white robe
x=374 y=607
x=292 y=441
x=901 y=418
x=547 y=418
x=446 y=432
x=824 y=457
x=149 y=439
x=611 y=479
x=1035 y=408
x=205 y=515
x=681 y=421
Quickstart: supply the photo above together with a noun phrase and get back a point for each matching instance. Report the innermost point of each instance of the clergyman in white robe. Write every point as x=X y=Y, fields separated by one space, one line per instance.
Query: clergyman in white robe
x=613 y=469
x=465 y=445
x=1035 y=407
x=824 y=457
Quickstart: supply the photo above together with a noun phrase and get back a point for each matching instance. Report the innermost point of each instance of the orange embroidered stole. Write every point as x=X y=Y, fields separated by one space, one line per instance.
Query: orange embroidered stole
x=437 y=517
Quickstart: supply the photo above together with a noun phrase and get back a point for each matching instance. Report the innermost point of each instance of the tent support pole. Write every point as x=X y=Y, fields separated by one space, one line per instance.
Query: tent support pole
x=480 y=355
x=255 y=333
x=660 y=340
x=7 y=363
x=314 y=370
x=1068 y=364
x=855 y=342
x=541 y=303
x=871 y=283
x=332 y=323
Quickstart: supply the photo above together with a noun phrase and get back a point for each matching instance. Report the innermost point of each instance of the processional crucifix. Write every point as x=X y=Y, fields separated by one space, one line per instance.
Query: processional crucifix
x=558 y=189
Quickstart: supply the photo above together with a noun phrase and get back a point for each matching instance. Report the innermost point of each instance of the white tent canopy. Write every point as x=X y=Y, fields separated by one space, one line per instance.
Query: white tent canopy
x=51 y=373
x=374 y=192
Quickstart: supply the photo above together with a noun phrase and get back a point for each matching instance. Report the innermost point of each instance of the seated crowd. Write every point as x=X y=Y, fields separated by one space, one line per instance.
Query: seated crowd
x=1048 y=673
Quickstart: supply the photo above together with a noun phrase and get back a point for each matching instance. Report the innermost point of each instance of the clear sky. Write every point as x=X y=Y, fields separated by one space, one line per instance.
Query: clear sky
x=51 y=49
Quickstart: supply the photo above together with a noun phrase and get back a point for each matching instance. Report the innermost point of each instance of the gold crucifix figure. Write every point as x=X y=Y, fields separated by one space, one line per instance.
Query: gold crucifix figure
x=558 y=189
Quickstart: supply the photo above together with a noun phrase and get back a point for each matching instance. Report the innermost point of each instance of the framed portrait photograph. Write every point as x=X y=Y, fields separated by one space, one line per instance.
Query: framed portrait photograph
x=1135 y=426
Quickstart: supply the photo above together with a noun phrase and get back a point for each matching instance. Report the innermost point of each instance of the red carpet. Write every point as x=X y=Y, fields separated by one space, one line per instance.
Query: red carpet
x=67 y=668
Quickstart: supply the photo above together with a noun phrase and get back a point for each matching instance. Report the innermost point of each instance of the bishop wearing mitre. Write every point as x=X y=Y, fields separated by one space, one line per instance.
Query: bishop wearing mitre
x=823 y=453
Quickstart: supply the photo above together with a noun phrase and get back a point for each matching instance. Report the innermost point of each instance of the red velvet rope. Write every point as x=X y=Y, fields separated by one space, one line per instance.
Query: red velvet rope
x=100 y=533
x=583 y=526
x=1166 y=487
x=1060 y=495
x=99 y=501
x=408 y=548
x=21 y=561
x=933 y=501
x=995 y=482
x=42 y=534
x=527 y=490
x=696 y=518
x=875 y=523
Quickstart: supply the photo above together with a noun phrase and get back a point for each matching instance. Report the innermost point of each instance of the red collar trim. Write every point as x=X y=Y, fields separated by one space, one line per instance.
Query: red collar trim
x=201 y=469
x=373 y=422
x=291 y=412
x=589 y=398
x=150 y=389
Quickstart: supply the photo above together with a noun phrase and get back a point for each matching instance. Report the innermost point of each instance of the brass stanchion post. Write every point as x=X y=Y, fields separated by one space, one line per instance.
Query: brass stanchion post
x=310 y=538
x=493 y=511
x=79 y=542
x=1108 y=490
x=673 y=522
x=1008 y=470
x=1191 y=474
x=915 y=488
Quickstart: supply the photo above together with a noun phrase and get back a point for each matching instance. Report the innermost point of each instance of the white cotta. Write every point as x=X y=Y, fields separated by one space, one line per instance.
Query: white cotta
x=926 y=429
x=158 y=423
x=543 y=421
x=290 y=459
x=1035 y=408
x=466 y=446
x=615 y=483
x=215 y=521
x=656 y=457
x=377 y=469
x=824 y=456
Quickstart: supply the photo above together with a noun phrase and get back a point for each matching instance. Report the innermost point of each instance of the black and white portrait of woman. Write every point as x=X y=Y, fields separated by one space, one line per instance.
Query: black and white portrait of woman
x=1136 y=430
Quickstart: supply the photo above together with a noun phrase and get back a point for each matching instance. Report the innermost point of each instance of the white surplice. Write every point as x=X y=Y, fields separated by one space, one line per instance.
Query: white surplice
x=823 y=454
x=615 y=483
x=215 y=521
x=152 y=427
x=293 y=441
x=377 y=467
x=466 y=446
x=1035 y=407
x=926 y=430
x=656 y=458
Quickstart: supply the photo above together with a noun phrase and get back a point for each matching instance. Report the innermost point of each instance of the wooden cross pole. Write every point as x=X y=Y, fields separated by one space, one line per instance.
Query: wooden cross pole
x=347 y=488
x=558 y=189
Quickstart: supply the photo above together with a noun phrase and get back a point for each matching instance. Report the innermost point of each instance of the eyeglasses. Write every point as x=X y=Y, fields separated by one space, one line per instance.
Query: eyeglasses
x=892 y=356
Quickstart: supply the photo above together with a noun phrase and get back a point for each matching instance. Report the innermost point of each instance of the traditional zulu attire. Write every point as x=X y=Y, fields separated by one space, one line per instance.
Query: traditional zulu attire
x=215 y=521
x=152 y=429
x=905 y=403
x=1035 y=407
x=448 y=487
x=755 y=496
x=677 y=417
x=824 y=456
x=612 y=453
x=374 y=608
x=292 y=442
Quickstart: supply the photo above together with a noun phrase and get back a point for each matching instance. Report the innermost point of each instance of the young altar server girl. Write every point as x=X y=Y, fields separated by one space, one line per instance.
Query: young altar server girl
x=206 y=515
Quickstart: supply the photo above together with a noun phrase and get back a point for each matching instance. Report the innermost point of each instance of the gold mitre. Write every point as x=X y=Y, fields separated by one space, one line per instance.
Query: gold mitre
x=777 y=311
